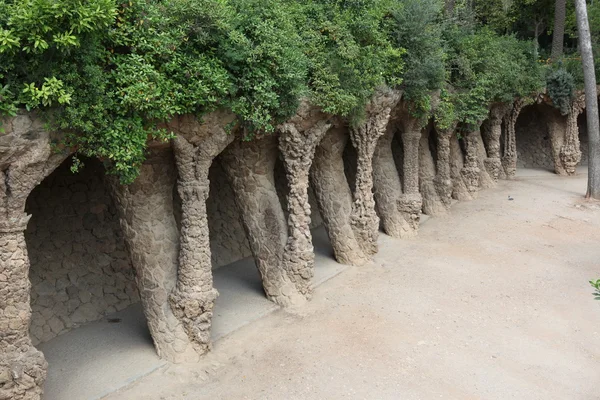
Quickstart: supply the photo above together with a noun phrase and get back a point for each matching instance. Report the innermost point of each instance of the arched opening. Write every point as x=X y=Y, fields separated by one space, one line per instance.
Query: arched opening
x=534 y=146
x=583 y=138
x=86 y=313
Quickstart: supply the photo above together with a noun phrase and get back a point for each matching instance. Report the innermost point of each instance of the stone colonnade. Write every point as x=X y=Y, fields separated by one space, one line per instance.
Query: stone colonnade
x=404 y=166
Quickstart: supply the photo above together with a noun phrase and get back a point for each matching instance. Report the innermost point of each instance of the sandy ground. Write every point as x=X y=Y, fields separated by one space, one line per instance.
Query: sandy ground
x=490 y=302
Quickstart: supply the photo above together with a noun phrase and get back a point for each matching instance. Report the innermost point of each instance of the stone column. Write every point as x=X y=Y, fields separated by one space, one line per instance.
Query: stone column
x=298 y=149
x=334 y=197
x=26 y=158
x=195 y=146
x=433 y=204
x=492 y=134
x=22 y=366
x=470 y=171
x=250 y=166
x=557 y=128
x=509 y=159
x=364 y=138
x=152 y=237
x=443 y=177
x=457 y=163
x=570 y=152
x=412 y=202
x=388 y=189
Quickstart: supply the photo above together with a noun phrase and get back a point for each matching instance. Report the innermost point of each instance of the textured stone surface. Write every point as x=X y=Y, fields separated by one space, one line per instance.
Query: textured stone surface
x=365 y=139
x=26 y=158
x=250 y=169
x=492 y=132
x=195 y=146
x=152 y=236
x=457 y=162
x=534 y=147
x=431 y=190
x=334 y=197
x=389 y=198
x=570 y=151
x=297 y=142
x=443 y=178
x=509 y=157
x=80 y=269
x=228 y=242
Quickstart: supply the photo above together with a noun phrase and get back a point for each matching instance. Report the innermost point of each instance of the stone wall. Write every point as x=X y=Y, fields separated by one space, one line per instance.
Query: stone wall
x=228 y=241
x=533 y=141
x=80 y=269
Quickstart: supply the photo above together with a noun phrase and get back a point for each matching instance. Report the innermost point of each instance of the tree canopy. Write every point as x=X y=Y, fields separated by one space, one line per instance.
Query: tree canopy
x=109 y=72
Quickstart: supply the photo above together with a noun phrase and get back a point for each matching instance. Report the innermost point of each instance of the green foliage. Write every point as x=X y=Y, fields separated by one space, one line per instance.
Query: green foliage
x=485 y=68
x=108 y=73
x=349 y=50
x=561 y=88
x=596 y=285
x=418 y=28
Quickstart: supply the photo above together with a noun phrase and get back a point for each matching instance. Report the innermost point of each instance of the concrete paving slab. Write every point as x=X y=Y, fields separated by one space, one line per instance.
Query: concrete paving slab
x=91 y=361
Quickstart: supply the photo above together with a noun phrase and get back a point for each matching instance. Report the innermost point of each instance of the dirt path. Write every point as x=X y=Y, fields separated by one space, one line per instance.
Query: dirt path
x=490 y=302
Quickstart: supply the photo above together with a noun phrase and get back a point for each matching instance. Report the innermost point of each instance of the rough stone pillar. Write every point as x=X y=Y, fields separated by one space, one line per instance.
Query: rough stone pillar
x=433 y=204
x=195 y=146
x=411 y=202
x=22 y=366
x=334 y=197
x=364 y=137
x=388 y=189
x=570 y=152
x=298 y=145
x=26 y=158
x=152 y=237
x=250 y=166
x=457 y=163
x=492 y=134
x=509 y=158
x=443 y=177
x=470 y=171
x=557 y=128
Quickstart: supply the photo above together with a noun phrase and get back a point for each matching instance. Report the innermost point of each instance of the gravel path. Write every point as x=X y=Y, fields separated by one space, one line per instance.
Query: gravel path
x=489 y=302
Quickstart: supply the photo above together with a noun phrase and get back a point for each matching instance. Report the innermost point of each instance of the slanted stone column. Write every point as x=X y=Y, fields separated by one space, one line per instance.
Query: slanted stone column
x=570 y=152
x=411 y=202
x=443 y=177
x=509 y=158
x=334 y=196
x=492 y=134
x=364 y=138
x=195 y=146
x=470 y=171
x=297 y=146
x=152 y=237
x=250 y=167
x=433 y=204
x=26 y=158
x=388 y=188
x=457 y=163
x=557 y=128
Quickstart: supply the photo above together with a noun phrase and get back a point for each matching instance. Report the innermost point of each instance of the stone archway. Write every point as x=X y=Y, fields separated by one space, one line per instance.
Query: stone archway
x=26 y=158
x=534 y=144
x=80 y=269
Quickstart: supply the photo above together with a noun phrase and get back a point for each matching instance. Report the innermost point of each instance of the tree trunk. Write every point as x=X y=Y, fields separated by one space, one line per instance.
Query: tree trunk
x=585 y=47
x=558 y=34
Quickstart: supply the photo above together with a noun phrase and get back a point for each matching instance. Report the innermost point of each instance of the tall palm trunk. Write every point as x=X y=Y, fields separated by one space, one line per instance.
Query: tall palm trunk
x=560 y=13
x=585 y=47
